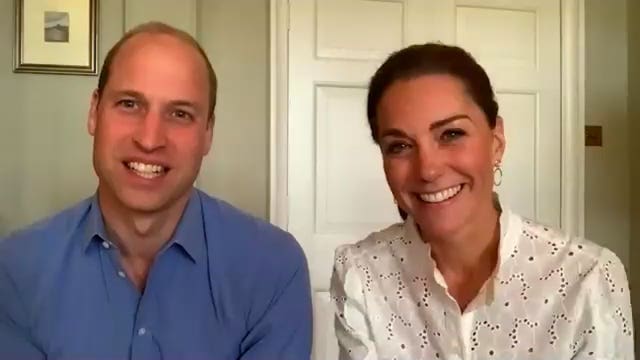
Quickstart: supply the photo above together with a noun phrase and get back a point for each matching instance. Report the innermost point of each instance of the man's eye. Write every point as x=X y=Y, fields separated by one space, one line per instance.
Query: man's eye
x=181 y=114
x=127 y=103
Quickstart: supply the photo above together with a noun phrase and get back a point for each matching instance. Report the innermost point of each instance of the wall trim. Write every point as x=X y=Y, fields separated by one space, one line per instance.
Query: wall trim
x=278 y=140
x=572 y=107
x=573 y=113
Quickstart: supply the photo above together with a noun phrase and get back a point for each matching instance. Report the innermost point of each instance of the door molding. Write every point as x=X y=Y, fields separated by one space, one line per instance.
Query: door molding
x=572 y=39
x=572 y=114
x=279 y=112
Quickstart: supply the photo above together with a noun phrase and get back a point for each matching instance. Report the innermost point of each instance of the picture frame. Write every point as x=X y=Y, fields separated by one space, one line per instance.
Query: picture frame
x=56 y=37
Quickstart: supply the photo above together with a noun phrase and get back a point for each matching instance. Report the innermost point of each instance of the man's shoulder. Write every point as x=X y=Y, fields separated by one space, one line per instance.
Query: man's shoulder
x=235 y=230
x=41 y=239
x=249 y=256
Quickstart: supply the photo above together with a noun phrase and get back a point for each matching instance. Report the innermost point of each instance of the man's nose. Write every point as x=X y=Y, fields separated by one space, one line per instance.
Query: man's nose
x=151 y=132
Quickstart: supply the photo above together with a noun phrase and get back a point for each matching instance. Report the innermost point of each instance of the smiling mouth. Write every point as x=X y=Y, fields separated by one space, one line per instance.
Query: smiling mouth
x=147 y=171
x=442 y=195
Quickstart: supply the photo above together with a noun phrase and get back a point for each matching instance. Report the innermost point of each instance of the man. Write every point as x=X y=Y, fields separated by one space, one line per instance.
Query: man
x=150 y=267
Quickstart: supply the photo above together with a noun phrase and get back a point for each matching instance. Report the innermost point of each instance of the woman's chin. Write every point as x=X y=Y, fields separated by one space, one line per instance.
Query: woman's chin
x=441 y=221
x=442 y=228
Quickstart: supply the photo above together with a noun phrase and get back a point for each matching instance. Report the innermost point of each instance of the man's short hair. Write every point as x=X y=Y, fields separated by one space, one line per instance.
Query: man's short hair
x=156 y=27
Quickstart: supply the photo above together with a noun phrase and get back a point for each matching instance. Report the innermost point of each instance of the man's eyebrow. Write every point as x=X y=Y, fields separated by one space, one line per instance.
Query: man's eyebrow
x=132 y=93
x=184 y=103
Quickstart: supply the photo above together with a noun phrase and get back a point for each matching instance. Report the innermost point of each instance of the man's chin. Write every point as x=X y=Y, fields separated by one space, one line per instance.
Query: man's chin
x=147 y=206
x=142 y=201
x=152 y=202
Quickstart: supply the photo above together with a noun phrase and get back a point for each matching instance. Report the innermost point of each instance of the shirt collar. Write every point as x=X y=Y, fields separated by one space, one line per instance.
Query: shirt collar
x=509 y=235
x=510 y=226
x=189 y=234
x=95 y=229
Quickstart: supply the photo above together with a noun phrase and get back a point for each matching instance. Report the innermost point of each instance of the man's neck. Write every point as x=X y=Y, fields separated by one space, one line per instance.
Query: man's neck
x=139 y=235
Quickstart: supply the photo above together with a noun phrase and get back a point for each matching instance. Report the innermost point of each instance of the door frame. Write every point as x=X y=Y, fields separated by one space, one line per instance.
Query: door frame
x=572 y=114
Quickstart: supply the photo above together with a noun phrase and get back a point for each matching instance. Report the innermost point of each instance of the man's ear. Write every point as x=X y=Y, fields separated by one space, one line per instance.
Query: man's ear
x=209 y=136
x=93 y=113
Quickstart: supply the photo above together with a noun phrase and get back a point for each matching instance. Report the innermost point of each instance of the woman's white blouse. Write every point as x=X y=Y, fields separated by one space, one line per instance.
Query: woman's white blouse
x=551 y=297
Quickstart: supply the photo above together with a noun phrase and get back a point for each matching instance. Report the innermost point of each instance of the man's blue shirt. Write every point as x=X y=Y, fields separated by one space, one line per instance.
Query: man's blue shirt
x=227 y=286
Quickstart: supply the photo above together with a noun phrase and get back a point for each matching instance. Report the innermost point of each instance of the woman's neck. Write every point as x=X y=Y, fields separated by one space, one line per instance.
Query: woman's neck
x=468 y=257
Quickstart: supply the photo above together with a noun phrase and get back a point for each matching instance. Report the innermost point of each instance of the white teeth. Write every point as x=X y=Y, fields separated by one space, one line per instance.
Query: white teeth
x=147 y=171
x=442 y=195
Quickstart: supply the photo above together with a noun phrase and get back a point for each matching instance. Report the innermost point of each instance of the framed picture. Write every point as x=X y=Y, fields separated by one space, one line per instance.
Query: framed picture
x=56 y=36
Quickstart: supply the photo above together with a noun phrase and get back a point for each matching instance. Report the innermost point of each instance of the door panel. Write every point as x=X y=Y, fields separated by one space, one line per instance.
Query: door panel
x=358 y=30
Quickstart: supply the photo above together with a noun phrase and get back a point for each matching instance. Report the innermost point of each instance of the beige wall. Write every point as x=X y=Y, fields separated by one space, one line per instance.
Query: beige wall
x=44 y=148
x=607 y=174
x=236 y=36
x=634 y=122
x=45 y=151
x=633 y=18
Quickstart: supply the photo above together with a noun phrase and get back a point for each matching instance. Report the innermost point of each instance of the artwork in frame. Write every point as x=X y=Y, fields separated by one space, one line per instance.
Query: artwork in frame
x=56 y=37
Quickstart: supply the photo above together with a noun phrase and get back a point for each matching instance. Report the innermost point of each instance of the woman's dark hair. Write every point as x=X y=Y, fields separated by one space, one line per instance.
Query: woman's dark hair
x=403 y=214
x=431 y=59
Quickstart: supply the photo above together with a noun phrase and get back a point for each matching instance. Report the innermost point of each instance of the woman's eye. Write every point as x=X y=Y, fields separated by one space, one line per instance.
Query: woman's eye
x=452 y=134
x=396 y=148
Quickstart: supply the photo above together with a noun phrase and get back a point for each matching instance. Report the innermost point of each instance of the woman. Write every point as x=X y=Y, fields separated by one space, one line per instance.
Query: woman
x=461 y=278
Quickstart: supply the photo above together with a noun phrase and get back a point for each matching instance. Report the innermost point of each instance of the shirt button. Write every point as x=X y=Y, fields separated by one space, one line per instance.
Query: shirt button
x=142 y=331
x=105 y=245
x=122 y=274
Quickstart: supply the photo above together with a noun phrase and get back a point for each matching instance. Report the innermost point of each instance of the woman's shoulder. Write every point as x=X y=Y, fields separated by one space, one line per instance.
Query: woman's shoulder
x=376 y=245
x=560 y=249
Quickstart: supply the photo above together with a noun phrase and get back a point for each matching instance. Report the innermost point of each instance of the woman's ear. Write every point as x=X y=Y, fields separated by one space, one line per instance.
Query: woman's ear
x=499 y=142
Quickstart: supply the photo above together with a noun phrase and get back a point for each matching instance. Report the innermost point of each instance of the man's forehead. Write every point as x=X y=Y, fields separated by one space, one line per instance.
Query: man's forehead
x=158 y=45
x=148 y=55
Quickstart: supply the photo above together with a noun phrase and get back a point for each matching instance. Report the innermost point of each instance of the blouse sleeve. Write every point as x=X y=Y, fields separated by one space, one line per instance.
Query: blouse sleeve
x=351 y=320
x=610 y=307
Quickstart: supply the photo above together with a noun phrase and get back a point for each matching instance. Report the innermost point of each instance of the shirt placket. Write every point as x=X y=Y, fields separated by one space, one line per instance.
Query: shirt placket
x=453 y=343
x=453 y=324
x=142 y=343
x=132 y=310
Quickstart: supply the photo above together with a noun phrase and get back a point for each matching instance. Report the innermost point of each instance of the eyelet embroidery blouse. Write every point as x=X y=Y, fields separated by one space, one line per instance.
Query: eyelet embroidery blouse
x=551 y=297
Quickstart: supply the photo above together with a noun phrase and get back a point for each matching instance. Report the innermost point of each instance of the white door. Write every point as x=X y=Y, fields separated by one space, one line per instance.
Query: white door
x=336 y=188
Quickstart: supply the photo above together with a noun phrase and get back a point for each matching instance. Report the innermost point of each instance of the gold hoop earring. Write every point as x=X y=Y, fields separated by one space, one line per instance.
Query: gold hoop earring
x=497 y=174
